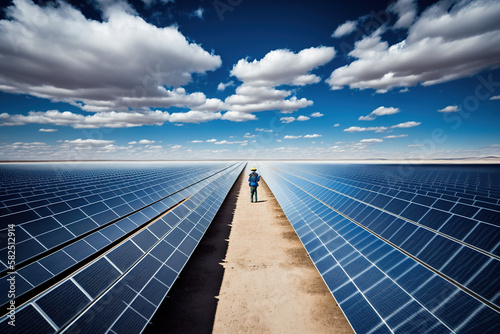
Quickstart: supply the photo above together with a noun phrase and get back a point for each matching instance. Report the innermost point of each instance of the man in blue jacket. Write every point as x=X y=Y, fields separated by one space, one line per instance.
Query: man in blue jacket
x=253 y=182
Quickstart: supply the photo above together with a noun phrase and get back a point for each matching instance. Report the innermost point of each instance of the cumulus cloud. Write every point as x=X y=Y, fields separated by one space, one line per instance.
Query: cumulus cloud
x=196 y=141
x=238 y=116
x=313 y=136
x=404 y=125
x=317 y=114
x=248 y=135
x=395 y=136
x=450 y=109
x=222 y=86
x=64 y=56
x=225 y=142
x=363 y=129
x=406 y=10
x=48 y=130
x=371 y=140
x=278 y=67
x=291 y=137
x=336 y=125
x=194 y=116
x=450 y=40
x=287 y=120
x=89 y=142
x=211 y=140
x=497 y=97
x=344 y=29
x=198 y=13
x=146 y=142
x=380 y=111
x=263 y=130
x=282 y=66
x=78 y=121
x=303 y=118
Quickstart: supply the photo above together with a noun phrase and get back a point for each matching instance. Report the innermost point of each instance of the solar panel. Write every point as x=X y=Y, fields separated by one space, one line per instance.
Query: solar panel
x=395 y=247
x=156 y=240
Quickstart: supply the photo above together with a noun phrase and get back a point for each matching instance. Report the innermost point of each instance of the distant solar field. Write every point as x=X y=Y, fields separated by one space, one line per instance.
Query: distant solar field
x=407 y=249
x=98 y=245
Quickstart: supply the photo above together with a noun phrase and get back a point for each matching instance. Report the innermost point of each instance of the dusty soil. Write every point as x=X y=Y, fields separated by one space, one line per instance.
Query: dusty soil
x=270 y=285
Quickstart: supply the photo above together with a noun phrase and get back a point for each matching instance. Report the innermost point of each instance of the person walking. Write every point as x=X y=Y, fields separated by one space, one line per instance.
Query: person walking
x=253 y=182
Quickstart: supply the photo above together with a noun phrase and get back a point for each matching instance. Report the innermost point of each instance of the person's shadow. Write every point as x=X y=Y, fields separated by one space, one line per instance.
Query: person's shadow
x=261 y=201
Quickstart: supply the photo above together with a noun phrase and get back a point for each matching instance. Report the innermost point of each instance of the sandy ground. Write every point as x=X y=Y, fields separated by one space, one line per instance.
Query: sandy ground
x=270 y=285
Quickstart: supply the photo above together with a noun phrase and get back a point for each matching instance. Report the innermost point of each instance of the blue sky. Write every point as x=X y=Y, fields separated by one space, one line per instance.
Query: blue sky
x=237 y=79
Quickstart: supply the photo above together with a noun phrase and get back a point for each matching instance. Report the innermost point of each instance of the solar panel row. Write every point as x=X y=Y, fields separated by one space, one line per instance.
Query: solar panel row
x=387 y=272
x=43 y=234
x=159 y=248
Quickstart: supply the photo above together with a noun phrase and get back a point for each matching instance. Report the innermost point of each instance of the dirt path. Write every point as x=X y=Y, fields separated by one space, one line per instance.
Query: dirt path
x=270 y=285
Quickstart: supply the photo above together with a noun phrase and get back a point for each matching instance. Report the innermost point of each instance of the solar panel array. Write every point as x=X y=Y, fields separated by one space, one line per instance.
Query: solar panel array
x=98 y=247
x=401 y=248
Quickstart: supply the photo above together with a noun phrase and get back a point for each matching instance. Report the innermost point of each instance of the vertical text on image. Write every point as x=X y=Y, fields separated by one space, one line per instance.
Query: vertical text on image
x=11 y=274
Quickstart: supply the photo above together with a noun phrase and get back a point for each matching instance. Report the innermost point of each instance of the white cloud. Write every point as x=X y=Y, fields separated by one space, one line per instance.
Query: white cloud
x=406 y=125
x=287 y=119
x=89 y=142
x=317 y=114
x=497 y=97
x=404 y=90
x=406 y=10
x=291 y=137
x=48 y=130
x=194 y=116
x=222 y=86
x=211 y=140
x=380 y=111
x=237 y=116
x=313 y=136
x=415 y=145
x=225 y=142
x=196 y=141
x=382 y=128
x=450 y=109
x=263 y=130
x=64 y=56
x=198 y=13
x=395 y=136
x=132 y=142
x=450 y=40
x=278 y=67
x=78 y=121
x=362 y=129
x=248 y=135
x=146 y=142
x=371 y=140
x=175 y=147
x=282 y=66
x=344 y=29
x=303 y=118
x=336 y=125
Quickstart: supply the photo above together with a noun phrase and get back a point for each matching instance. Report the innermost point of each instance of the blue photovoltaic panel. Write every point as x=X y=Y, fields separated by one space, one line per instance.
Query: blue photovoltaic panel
x=136 y=259
x=401 y=248
x=44 y=243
